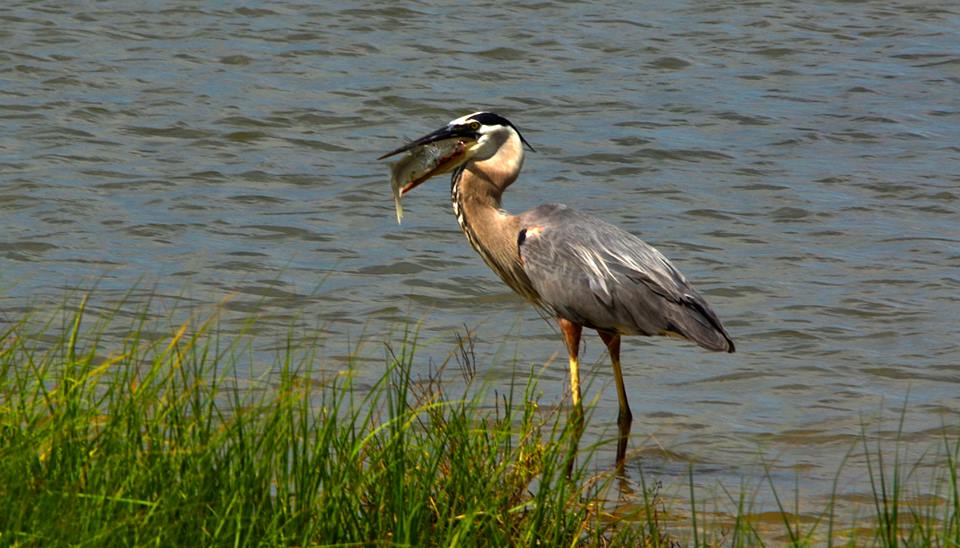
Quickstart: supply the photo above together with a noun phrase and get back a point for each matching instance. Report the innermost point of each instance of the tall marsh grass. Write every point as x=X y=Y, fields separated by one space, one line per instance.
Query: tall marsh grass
x=156 y=442
x=144 y=438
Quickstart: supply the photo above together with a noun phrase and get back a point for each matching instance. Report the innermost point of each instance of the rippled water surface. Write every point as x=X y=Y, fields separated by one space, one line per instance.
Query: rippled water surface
x=797 y=161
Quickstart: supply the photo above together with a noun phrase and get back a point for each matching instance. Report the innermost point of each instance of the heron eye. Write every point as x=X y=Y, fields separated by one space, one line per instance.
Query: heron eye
x=474 y=126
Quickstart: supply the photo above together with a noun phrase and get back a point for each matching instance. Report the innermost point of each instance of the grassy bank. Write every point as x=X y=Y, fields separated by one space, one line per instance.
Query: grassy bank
x=147 y=439
x=156 y=442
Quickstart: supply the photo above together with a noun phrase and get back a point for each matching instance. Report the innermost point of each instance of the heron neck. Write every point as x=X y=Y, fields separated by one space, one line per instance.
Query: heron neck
x=478 y=188
x=491 y=231
x=476 y=203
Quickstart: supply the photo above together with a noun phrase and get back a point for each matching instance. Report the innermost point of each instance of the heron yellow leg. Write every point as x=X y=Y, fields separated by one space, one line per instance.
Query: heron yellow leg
x=571 y=336
x=575 y=381
x=624 y=417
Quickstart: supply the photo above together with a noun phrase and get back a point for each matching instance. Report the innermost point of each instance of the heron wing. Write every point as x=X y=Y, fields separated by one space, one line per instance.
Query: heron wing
x=593 y=273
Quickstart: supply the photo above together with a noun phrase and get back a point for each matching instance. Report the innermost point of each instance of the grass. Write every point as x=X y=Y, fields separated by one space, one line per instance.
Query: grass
x=146 y=439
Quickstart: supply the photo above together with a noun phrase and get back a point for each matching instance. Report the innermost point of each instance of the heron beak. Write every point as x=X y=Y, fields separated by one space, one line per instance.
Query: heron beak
x=446 y=132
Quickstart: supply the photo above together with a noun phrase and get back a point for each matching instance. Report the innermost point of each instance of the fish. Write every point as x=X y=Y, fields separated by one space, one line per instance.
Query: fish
x=421 y=163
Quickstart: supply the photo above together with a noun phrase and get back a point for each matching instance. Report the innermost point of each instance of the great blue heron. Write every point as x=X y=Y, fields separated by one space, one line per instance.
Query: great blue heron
x=583 y=271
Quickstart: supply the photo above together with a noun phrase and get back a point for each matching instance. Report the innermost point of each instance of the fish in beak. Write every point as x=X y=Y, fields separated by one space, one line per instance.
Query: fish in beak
x=434 y=154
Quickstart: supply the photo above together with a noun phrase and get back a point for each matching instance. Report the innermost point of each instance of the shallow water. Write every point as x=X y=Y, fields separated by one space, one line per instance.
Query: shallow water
x=796 y=161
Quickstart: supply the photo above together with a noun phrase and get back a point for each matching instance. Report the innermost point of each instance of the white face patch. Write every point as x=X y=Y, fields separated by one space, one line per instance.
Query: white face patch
x=495 y=134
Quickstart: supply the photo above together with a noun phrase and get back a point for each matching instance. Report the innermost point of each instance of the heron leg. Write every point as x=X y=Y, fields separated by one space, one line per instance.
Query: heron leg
x=571 y=335
x=624 y=417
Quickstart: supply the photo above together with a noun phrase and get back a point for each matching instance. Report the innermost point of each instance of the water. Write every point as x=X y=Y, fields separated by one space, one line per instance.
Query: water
x=796 y=161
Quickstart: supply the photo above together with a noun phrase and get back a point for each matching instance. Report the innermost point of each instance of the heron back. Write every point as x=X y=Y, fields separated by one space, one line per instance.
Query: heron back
x=593 y=273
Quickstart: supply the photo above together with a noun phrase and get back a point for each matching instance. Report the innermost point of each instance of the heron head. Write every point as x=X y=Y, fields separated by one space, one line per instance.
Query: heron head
x=492 y=132
x=482 y=135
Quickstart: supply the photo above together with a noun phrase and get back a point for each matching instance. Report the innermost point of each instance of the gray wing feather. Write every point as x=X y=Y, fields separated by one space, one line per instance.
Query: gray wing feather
x=598 y=275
